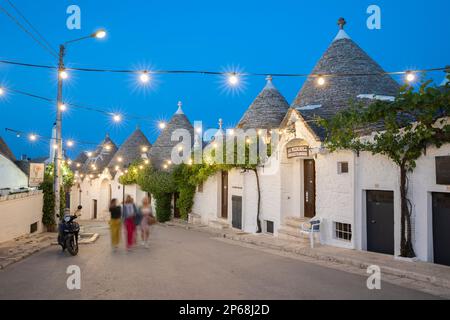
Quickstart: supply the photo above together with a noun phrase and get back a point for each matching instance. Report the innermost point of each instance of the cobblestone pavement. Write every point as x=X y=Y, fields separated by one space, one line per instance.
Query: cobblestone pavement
x=184 y=264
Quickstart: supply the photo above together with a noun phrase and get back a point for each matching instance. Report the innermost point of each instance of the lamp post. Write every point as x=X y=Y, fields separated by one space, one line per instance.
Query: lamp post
x=62 y=75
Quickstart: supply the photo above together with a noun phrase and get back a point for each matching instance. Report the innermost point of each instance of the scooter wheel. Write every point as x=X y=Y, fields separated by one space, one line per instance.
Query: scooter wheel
x=72 y=246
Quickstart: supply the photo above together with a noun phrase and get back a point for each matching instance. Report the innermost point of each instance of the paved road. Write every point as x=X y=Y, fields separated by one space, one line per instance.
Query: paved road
x=182 y=264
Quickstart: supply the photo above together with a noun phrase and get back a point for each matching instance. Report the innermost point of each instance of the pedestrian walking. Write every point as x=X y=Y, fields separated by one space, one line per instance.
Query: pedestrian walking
x=147 y=218
x=130 y=214
x=115 y=223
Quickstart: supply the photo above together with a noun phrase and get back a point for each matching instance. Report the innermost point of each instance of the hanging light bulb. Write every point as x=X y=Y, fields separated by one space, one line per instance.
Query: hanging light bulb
x=63 y=74
x=78 y=165
x=233 y=79
x=55 y=146
x=144 y=149
x=117 y=168
x=117 y=118
x=70 y=143
x=144 y=77
x=89 y=154
x=146 y=161
x=33 y=137
x=165 y=166
x=198 y=130
x=162 y=125
x=410 y=76
x=321 y=81
x=63 y=107
x=69 y=162
x=2 y=91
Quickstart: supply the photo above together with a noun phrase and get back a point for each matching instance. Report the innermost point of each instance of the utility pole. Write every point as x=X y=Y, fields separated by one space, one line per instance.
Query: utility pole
x=58 y=154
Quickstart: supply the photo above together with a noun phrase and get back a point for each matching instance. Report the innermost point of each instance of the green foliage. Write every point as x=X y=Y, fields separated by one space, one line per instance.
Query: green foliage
x=403 y=130
x=48 y=209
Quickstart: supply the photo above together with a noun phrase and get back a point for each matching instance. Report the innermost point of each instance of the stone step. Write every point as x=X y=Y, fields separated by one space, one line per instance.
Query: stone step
x=218 y=224
x=292 y=232
x=295 y=222
x=285 y=235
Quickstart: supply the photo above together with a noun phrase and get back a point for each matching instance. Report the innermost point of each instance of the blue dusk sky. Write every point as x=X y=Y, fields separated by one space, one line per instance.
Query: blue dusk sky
x=255 y=36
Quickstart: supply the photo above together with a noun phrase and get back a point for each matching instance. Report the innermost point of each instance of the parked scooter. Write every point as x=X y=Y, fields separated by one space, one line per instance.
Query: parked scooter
x=68 y=232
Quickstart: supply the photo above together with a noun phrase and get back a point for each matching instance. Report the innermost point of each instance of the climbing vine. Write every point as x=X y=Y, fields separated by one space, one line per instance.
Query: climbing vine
x=416 y=120
x=48 y=209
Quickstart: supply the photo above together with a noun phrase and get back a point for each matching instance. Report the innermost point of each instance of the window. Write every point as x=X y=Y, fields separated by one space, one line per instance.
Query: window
x=34 y=227
x=443 y=170
x=200 y=187
x=342 y=167
x=343 y=231
x=269 y=227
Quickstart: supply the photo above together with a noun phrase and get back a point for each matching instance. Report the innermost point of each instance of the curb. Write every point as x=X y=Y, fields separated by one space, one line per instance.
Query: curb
x=91 y=238
x=443 y=283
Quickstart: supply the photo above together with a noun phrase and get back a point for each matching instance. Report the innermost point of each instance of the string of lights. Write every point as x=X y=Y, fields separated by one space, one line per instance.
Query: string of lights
x=116 y=117
x=233 y=76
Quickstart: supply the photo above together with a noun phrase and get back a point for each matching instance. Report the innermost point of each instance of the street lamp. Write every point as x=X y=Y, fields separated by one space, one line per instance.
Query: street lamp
x=63 y=75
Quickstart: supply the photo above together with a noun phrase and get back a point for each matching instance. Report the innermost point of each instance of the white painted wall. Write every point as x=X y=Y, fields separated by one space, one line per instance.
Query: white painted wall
x=11 y=176
x=18 y=212
x=207 y=203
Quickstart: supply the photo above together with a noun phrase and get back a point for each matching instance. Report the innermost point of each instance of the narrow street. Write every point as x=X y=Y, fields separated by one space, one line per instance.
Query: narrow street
x=182 y=264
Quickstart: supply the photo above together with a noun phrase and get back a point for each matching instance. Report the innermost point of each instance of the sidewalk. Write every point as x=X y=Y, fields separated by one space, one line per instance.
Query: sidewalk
x=426 y=273
x=22 y=247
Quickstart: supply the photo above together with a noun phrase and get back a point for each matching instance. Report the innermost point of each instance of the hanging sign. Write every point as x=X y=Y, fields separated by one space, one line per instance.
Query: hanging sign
x=297 y=152
x=36 y=174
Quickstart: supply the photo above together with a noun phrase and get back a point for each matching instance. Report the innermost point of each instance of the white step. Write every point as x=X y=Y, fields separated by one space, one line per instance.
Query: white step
x=295 y=222
x=285 y=235
x=219 y=224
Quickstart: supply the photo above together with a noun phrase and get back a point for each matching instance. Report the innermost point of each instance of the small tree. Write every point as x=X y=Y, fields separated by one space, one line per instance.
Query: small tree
x=414 y=121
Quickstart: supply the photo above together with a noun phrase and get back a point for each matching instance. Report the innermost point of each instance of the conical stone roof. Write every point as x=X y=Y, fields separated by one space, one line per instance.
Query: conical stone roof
x=79 y=162
x=163 y=146
x=135 y=148
x=343 y=56
x=266 y=111
x=100 y=157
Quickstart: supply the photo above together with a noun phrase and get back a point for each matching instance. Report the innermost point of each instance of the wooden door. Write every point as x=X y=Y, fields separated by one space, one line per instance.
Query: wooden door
x=224 y=207
x=441 y=228
x=380 y=222
x=95 y=208
x=236 y=212
x=309 y=188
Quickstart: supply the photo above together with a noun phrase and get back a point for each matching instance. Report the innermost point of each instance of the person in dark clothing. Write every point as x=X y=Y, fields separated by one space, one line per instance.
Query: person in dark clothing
x=115 y=223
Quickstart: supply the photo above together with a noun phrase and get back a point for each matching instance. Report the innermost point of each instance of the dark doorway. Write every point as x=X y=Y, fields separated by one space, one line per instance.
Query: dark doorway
x=224 y=210
x=176 y=210
x=67 y=199
x=310 y=188
x=441 y=228
x=380 y=222
x=95 y=208
x=237 y=212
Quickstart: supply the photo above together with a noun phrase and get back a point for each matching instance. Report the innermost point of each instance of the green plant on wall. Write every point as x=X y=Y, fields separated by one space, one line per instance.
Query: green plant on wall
x=48 y=210
x=416 y=120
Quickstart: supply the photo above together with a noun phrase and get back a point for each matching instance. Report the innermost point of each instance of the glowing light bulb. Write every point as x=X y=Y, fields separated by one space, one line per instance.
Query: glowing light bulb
x=144 y=149
x=63 y=107
x=63 y=74
x=248 y=141
x=69 y=162
x=70 y=143
x=198 y=130
x=78 y=165
x=233 y=79
x=108 y=147
x=100 y=34
x=169 y=162
x=2 y=91
x=141 y=167
x=117 y=168
x=55 y=146
x=162 y=125
x=147 y=161
x=144 y=77
x=190 y=162
x=165 y=166
x=120 y=159
x=410 y=77
x=89 y=154
x=117 y=118
x=231 y=132
x=321 y=81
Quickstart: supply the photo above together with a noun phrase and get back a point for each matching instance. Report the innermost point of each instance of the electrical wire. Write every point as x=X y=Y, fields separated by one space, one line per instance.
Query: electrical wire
x=24 y=29
x=49 y=46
